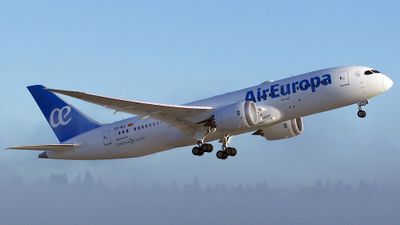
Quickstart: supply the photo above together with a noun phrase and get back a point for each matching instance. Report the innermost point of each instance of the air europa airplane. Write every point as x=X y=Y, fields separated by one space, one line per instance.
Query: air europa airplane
x=273 y=110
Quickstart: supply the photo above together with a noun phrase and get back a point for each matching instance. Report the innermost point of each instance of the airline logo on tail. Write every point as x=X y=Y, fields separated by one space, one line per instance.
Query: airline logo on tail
x=60 y=116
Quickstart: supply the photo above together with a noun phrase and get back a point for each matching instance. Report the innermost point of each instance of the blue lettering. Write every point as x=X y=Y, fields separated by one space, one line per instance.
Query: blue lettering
x=304 y=85
x=250 y=96
x=274 y=91
x=294 y=86
x=264 y=95
x=287 y=91
x=259 y=94
x=315 y=82
x=278 y=90
x=326 y=79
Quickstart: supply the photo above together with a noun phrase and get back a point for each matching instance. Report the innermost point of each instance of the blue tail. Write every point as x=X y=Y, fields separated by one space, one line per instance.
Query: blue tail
x=65 y=120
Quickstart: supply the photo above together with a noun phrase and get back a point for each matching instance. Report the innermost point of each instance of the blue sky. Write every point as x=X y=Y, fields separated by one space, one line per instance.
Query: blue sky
x=180 y=51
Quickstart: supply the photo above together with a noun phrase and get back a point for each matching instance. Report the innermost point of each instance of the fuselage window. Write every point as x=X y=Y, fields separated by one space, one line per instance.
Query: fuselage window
x=142 y=127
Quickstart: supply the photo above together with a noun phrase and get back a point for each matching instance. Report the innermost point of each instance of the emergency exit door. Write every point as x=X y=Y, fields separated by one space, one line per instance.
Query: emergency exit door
x=343 y=77
x=107 y=137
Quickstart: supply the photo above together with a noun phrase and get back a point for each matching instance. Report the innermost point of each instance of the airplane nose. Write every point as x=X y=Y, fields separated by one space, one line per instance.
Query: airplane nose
x=387 y=82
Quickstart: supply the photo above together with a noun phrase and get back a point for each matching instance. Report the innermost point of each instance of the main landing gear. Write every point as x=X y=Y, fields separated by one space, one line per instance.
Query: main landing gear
x=202 y=148
x=226 y=151
x=221 y=154
x=361 y=113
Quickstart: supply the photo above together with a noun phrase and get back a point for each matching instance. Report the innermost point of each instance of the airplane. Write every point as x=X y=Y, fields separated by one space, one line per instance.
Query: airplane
x=272 y=109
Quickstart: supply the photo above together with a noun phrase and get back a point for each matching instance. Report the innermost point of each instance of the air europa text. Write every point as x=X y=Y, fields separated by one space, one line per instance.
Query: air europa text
x=278 y=90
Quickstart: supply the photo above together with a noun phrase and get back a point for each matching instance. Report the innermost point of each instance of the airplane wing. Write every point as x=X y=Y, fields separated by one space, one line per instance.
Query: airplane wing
x=159 y=111
x=49 y=147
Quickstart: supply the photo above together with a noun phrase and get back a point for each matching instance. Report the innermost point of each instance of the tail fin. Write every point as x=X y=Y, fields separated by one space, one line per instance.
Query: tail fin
x=65 y=120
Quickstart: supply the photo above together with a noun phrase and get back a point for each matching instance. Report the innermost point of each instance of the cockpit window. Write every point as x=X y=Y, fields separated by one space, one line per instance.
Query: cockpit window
x=375 y=71
x=368 y=72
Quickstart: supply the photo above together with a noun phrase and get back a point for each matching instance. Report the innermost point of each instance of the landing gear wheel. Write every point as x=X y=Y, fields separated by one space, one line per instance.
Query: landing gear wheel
x=231 y=151
x=361 y=113
x=222 y=155
x=197 y=151
x=207 y=147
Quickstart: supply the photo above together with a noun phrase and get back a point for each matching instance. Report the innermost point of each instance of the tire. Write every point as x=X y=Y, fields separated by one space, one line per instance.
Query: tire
x=201 y=152
x=210 y=147
x=207 y=147
x=361 y=114
x=222 y=155
x=229 y=151
x=196 y=151
x=234 y=152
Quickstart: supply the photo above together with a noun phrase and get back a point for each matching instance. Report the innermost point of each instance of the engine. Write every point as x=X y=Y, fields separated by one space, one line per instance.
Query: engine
x=235 y=116
x=282 y=130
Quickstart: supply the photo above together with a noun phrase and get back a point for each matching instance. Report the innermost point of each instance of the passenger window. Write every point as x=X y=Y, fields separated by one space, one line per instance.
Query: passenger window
x=368 y=72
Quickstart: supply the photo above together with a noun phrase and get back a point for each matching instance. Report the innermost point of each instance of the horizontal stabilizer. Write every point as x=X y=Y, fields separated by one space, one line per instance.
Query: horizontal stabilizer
x=50 y=147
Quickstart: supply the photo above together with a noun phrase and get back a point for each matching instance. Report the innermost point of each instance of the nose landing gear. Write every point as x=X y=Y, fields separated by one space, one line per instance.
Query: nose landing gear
x=361 y=113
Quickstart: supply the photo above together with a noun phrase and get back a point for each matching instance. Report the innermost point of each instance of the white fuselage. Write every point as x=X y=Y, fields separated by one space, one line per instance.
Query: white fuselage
x=285 y=99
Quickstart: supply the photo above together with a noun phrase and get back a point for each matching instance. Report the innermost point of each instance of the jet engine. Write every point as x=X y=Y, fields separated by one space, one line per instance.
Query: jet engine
x=235 y=116
x=282 y=130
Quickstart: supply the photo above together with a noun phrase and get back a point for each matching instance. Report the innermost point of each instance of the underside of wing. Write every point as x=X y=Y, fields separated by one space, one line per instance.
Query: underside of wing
x=48 y=147
x=145 y=109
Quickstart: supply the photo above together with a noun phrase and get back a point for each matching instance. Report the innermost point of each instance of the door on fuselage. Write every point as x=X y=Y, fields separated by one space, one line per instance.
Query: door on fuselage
x=107 y=137
x=343 y=77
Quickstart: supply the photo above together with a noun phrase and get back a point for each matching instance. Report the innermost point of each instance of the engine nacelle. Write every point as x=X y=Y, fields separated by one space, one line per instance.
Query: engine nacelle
x=282 y=130
x=236 y=116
